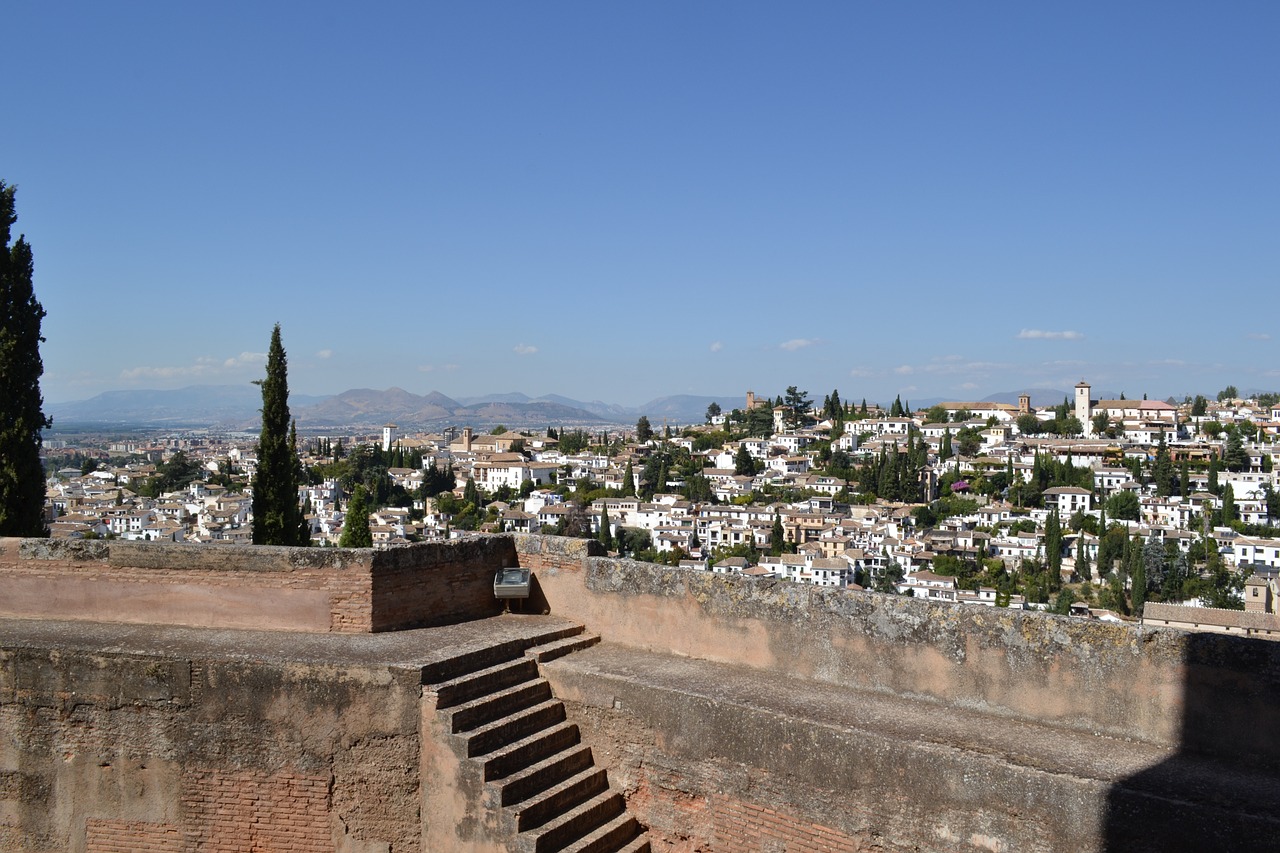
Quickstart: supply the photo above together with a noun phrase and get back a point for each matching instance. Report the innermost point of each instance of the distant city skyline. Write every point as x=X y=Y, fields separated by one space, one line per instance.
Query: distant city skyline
x=621 y=203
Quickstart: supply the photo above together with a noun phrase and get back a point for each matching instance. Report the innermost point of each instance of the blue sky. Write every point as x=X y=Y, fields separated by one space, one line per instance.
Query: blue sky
x=621 y=201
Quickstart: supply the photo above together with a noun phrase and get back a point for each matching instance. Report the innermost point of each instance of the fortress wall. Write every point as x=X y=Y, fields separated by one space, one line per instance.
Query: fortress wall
x=1081 y=675
x=104 y=752
x=298 y=589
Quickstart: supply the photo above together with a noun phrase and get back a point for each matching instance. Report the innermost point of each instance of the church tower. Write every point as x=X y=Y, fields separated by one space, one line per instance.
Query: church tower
x=1084 y=407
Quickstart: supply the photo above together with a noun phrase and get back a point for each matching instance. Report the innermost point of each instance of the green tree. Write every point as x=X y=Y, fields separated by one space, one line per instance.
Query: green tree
x=629 y=481
x=1053 y=548
x=1229 y=512
x=21 y=405
x=797 y=403
x=1200 y=407
x=606 y=529
x=777 y=538
x=1162 y=469
x=277 y=515
x=1236 y=458
x=1083 y=570
x=1028 y=424
x=713 y=410
x=1123 y=505
x=644 y=431
x=945 y=452
x=355 y=525
x=1228 y=393
x=743 y=464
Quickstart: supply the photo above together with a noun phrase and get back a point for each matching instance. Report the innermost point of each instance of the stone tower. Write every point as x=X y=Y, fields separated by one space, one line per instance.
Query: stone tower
x=1084 y=406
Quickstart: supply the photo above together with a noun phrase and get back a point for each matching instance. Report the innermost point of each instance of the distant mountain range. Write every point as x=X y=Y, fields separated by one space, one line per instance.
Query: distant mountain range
x=237 y=407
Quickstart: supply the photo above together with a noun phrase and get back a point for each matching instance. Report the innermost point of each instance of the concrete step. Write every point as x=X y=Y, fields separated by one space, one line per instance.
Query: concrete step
x=486 y=709
x=574 y=824
x=552 y=770
x=514 y=727
x=620 y=835
x=561 y=647
x=514 y=757
x=473 y=685
x=561 y=797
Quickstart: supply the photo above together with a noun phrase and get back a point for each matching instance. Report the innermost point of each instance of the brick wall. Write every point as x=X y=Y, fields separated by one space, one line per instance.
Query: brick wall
x=231 y=812
x=131 y=836
x=437 y=583
x=749 y=827
x=300 y=589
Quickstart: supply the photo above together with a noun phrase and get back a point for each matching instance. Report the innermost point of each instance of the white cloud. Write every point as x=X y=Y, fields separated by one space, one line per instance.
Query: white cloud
x=968 y=386
x=904 y=370
x=245 y=358
x=862 y=372
x=204 y=366
x=324 y=353
x=1042 y=335
x=431 y=368
x=796 y=343
x=524 y=349
x=1258 y=336
x=717 y=346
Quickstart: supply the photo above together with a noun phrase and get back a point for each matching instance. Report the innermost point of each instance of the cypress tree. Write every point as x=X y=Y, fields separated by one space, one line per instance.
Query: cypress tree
x=355 y=526
x=277 y=515
x=777 y=538
x=1053 y=548
x=606 y=530
x=629 y=481
x=21 y=405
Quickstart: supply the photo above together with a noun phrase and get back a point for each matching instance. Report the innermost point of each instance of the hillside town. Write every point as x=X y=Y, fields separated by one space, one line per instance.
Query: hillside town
x=1109 y=509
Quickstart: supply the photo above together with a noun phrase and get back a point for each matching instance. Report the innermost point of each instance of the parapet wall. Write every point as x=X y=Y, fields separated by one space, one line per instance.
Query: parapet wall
x=1155 y=685
x=346 y=590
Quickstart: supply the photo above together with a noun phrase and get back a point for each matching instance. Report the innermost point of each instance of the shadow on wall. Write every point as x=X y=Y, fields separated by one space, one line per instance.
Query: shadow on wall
x=1221 y=789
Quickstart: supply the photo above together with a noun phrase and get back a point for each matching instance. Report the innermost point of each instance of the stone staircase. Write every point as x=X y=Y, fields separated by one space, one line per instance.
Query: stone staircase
x=500 y=715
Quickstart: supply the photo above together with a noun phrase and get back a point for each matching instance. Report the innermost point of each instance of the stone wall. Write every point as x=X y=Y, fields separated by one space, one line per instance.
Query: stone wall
x=737 y=714
x=1096 y=677
x=345 y=590
x=110 y=751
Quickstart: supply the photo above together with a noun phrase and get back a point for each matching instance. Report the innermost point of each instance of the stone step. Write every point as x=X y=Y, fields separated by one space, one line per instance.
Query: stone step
x=639 y=844
x=477 y=659
x=510 y=759
x=620 y=835
x=561 y=797
x=574 y=824
x=542 y=775
x=561 y=647
x=485 y=709
x=473 y=685
x=514 y=727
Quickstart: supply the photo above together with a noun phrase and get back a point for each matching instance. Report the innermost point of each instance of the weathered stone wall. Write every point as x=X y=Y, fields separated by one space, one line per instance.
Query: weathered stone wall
x=942 y=727
x=300 y=589
x=890 y=723
x=1118 y=680
x=104 y=752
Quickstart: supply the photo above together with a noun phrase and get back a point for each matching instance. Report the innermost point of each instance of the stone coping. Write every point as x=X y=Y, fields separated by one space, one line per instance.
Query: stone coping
x=411 y=649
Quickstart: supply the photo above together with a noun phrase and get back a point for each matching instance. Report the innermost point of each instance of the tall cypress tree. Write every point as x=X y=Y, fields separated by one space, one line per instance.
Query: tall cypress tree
x=355 y=524
x=277 y=515
x=21 y=406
